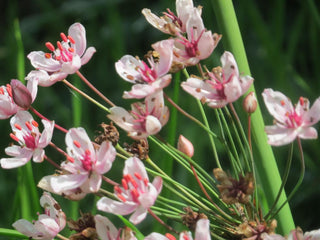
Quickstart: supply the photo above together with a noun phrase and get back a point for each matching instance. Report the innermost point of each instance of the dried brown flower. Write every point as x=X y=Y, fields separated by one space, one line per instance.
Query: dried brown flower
x=254 y=229
x=190 y=218
x=84 y=226
x=139 y=148
x=109 y=133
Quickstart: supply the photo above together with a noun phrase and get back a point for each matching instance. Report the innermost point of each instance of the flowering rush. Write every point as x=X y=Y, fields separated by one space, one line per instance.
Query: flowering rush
x=290 y=122
x=83 y=170
x=49 y=224
x=144 y=119
x=67 y=58
x=224 y=85
x=147 y=80
x=136 y=193
x=31 y=141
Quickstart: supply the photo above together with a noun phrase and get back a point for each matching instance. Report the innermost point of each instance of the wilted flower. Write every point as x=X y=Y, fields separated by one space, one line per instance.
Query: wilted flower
x=224 y=85
x=84 y=169
x=250 y=103
x=49 y=224
x=147 y=79
x=170 y=23
x=144 y=119
x=67 y=58
x=136 y=193
x=107 y=231
x=290 y=121
x=32 y=142
x=15 y=96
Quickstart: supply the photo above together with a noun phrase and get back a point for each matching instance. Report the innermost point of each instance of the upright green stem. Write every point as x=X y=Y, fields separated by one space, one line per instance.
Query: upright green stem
x=265 y=162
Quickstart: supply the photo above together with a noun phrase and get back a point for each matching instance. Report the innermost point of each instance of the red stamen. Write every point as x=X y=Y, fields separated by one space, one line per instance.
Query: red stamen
x=9 y=90
x=124 y=184
x=50 y=46
x=28 y=125
x=64 y=37
x=34 y=123
x=71 y=49
x=87 y=152
x=117 y=189
x=122 y=198
x=282 y=102
x=71 y=39
x=185 y=237
x=58 y=58
x=170 y=237
x=137 y=175
x=60 y=46
x=76 y=143
x=70 y=159
x=47 y=55
x=14 y=137
x=17 y=126
x=135 y=195
x=301 y=100
x=146 y=181
x=1 y=91
x=131 y=179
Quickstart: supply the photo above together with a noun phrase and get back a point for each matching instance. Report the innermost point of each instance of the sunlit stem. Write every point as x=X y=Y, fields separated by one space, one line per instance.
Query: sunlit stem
x=302 y=171
x=95 y=89
x=43 y=117
x=62 y=237
x=284 y=181
x=160 y=221
x=52 y=162
x=189 y=116
x=85 y=95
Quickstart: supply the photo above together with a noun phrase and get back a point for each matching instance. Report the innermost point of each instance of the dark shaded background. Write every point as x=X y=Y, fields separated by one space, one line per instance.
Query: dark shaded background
x=282 y=40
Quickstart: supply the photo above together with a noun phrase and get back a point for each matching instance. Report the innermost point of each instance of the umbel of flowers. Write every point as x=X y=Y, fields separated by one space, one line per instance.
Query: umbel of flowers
x=222 y=205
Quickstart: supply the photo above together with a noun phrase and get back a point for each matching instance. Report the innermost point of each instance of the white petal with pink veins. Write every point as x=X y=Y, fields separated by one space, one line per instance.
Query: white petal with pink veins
x=108 y=205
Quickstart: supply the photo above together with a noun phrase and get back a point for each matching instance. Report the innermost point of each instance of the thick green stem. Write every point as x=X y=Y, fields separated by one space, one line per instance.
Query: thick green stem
x=267 y=168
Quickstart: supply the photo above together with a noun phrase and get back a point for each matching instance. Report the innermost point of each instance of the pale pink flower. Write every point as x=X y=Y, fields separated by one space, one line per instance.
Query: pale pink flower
x=67 y=58
x=136 y=194
x=294 y=235
x=48 y=225
x=291 y=122
x=185 y=146
x=171 y=23
x=147 y=80
x=31 y=141
x=107 y=231
x=144 y=119
x=83 y=169
x=224 y=85
x=8 y=106
x=198 y=45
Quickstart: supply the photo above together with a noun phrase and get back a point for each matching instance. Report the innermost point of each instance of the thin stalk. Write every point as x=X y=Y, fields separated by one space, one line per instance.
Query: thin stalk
x=85 y=95
x=265 y=162
x=93 y=88
x=49 y=160
x=160 y=221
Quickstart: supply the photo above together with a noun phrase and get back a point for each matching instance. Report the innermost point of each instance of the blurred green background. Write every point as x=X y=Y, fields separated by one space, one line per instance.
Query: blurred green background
x=281 y=37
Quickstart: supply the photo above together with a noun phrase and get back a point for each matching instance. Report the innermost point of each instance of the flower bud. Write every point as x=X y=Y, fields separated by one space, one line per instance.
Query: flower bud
x=250 y=103
x=20 y=94
x=185 y=146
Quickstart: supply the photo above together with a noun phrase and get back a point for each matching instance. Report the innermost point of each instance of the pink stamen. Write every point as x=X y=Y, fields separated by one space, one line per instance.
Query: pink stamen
x=48 y=55
x=122 y=198
x=71 y=49
x=9 y=89
x=17 y=126
x=170 y=237
x=71 y=40
x=60 y=46
x=28 y=125
x=282 y=103
x=64 y=37
x=133 y=182
x=1 y=91
x=134 y=195
x=14 y=137
x=301 y=100
x=34 y=123
x=124 y=184
x=76 y=143
x=146 y=181
x=70 y=159
x=117 y=189
x=137 y=175
x=50 y=46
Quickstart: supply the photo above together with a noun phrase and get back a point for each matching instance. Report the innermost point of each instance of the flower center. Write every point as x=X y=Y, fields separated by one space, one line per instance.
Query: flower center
x=191 y=46
x=149 y=75
x=142 y=114
x=64 y=51
x=175 y=20
x=86 y=160
x=29 y=137
x=131 y=187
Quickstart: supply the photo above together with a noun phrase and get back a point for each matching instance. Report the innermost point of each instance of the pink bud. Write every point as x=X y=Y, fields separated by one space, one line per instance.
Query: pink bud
x=20 y=94
x=185 y=146
x=250 y=103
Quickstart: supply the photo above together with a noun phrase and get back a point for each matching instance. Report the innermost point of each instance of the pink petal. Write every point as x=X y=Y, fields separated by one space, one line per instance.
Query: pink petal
x=122 y=118
x=135 y=165
x=7 y=107
x=78 y=33
x=313 y=115
x=67 y=182
x=105 y=157
x=155 y=21
x=202 y=230
x=108 y=205
x=87 y=55
x=32 y=86
x=127 y=66
x=165 y=50
x=308 y=133
x=21 y=157
x=39 y=61
x=229 y=65
x=94 y=182
x=155 y=236
x=138 y=215
x=278 y=136
x=26 y=228
x=73 y=66
x=153 y=125
x=194 y=24
x=157 y=183
x=48 y=226
x=207 y=44
x=184 y=9
x=105 y=228
x=47 y=133
x=38 y=155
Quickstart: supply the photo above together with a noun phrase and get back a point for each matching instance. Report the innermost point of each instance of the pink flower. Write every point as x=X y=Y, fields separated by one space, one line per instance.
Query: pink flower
x=107 y=231
x=185 y=146
x=84 y=169
x=223 y=86
x=8 y=106
x=295 y=234
x=67 y=58
x=144 y=119
x=49 y=224
x=291 y=122
x=147 y=79
x=136 y=194
x=31 y=141
x=170 y=23
x=198 y=45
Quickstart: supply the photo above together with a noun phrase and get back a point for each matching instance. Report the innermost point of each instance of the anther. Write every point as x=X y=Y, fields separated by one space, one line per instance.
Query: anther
x=9 y=90
x=117 y=189
x=59 y=46
x=71 y=49
x=282 y=102
x=137 y=175
x=170 y=237
x=50 y=46
x=70 y=159
x=124 y=184
x=47 y=55
x=301 y=100
x=71 y=39
x=146 y=181
x=14 y=137
x=34 y=123
x=121 y=197
x=28 y=125
x=76 y=143
x=87 y=152
x=135 y=195
x=64 y=37
x=1 y=91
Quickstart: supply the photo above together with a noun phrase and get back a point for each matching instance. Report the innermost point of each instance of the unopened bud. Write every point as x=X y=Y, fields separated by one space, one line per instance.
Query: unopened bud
x=185 y=146
x=20 y=94
x=250 y=103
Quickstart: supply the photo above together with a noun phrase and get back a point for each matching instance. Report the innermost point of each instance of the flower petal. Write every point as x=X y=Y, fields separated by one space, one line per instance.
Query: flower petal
x=278 y=136
x=108 y=205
